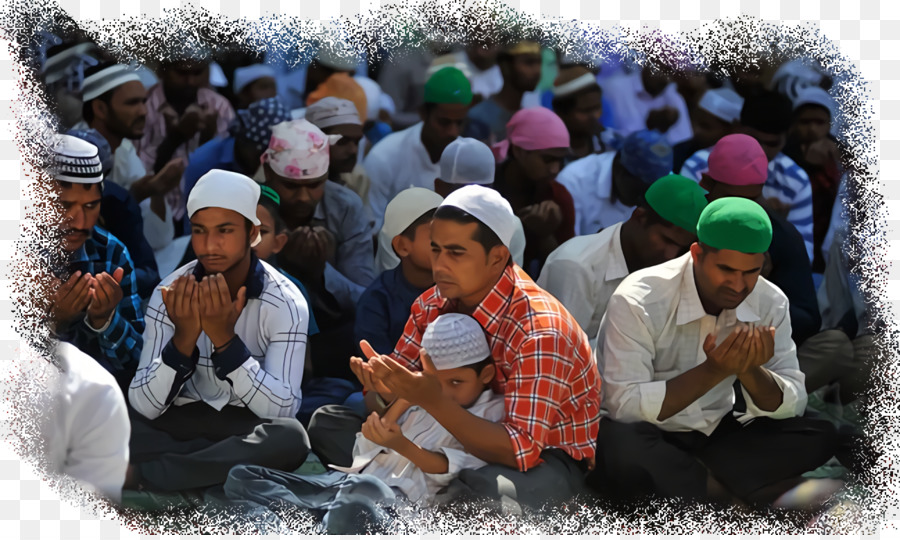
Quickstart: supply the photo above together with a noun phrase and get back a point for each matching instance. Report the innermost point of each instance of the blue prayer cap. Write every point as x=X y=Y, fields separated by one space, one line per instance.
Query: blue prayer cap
x=647 y=155
x=255 y=122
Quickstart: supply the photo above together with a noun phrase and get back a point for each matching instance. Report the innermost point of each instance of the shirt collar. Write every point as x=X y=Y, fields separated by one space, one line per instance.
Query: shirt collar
x=691 y=309
x=255 y=278
x=616 y=267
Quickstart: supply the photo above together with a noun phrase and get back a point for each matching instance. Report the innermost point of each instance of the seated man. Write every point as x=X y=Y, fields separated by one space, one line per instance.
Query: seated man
x=331 y=236
x=84 y=425
x=606 y=188
x=585 y=271
x=409 y=158
x=675 y=339
x=716 y=115
x=97 y=307
x=546 y=442
x=219 y=380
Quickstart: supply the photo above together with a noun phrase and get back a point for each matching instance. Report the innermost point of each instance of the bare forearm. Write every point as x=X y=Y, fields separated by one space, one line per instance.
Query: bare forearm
x=482 y=438
x=429 y=462
x=763 y=389
x=143 y=188
x=688 y=388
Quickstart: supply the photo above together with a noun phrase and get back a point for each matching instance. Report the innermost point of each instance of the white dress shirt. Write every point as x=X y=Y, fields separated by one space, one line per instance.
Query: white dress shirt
x=631 y=103
x=265 y=360
x=583 y=273
x=654 y=330
x=422 y=429
x=589 y=181
x=86 y=427
x=397 y=162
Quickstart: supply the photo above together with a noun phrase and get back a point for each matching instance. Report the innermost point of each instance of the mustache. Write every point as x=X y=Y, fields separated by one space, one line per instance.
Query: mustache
x=67 y=232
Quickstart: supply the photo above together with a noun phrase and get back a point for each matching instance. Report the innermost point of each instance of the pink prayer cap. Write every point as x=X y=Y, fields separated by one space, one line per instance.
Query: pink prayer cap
x=738 y=160
x=297 y=150
x=537 y=128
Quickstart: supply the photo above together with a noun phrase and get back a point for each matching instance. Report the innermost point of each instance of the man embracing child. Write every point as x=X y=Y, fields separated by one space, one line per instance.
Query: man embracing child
x=403 y=454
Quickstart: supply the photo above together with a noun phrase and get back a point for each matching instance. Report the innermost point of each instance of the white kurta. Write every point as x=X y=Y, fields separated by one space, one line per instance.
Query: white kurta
x=86 y=428
x=654 y=330
x=583 y=273
x=421 y=428
x=631 y=103
x=589 y=181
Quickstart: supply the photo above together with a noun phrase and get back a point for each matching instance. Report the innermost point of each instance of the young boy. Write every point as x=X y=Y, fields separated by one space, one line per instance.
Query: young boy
x=403 y=453
x=383 y=308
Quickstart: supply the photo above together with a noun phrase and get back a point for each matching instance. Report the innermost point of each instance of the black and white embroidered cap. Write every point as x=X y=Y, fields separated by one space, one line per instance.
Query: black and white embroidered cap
x=105 y=79
x=75 y=160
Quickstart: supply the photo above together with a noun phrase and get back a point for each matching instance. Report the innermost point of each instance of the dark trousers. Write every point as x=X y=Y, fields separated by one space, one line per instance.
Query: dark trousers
x=636 y=459
x=194 y=446
x=332 y=433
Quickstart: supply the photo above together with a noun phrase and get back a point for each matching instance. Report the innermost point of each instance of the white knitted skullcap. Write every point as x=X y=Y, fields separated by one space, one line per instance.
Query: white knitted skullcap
x=455 y=340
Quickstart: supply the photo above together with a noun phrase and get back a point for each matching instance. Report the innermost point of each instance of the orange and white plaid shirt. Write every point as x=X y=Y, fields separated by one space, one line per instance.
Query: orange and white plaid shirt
x=544 y=365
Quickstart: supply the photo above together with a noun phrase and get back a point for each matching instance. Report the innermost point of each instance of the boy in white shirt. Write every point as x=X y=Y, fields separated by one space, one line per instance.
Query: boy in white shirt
x=403 y=453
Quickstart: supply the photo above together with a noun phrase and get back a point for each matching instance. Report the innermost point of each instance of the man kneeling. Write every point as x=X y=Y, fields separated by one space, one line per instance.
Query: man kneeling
x=219 y=378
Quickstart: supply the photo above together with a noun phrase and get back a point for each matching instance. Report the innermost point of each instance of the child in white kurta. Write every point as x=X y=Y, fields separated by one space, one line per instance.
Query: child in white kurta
x=405 y=453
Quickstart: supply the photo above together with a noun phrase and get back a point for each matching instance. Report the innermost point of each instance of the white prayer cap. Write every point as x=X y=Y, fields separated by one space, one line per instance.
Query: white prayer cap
x=228 y=190
x=488 y=206
x=331 y=111
x=455 y=340
x=814 y=95
x=723 y=103
x=467 y=161
x=244 y=76
x=217 y=76
x=373 y=95
x=75 y=160
x=105 y=79
x=404 y=209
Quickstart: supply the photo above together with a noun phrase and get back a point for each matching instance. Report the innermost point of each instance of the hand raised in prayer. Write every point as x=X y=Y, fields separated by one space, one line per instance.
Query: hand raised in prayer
x=382 y=431
x=168 y=177
x=778 y=206
x=762 y=345
x=191 y=122
x=732 y=356
x=210 y=124
x=363 y=371
x=541 y=219
x=182 y=301
x=218 y=313
x=106 y=293
x=821 y=152
x=306 y=252
x=71 y=299
x=662 y=119
x=420 y=388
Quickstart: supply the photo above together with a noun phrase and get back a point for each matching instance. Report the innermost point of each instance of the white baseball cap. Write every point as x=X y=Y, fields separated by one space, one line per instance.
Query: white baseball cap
x=488 y=206
x=228 y=190
x=455 y=340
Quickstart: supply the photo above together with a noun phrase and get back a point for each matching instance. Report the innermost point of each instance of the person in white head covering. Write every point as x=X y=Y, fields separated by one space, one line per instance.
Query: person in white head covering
x=253 y=83
x=331 y=234
x=226 y=345
x=337 y=116
x=383 y=308
x=96 y=306
x=716 y=115
x=545 y=443
x=404 y=453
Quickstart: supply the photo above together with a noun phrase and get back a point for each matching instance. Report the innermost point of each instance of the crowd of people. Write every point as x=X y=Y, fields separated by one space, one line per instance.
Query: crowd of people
x=479 y=273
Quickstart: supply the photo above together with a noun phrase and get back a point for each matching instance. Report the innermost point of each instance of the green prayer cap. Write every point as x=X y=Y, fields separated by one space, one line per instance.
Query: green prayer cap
x=448 y=85
x=737 y=224
x=678 y=200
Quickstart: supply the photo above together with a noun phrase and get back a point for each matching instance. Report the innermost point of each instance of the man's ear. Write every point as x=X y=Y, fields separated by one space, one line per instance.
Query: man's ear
x=487 y=374
x=401 y=245
x=100 y=108
x=421 y=111
x=696 y=252
x=498 y=257
x=706 y=182
x=280 y=240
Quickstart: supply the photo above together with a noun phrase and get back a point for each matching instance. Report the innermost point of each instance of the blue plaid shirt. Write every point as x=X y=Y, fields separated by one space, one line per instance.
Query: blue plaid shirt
x=117 y=347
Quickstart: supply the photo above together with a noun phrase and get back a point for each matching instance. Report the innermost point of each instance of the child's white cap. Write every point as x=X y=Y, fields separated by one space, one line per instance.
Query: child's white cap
x=455 y=340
